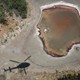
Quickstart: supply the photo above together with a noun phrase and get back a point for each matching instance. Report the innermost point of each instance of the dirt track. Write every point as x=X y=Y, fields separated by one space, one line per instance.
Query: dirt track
x=28 y=43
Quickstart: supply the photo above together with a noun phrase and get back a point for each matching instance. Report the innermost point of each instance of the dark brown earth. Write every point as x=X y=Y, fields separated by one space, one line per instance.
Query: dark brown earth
x=63 y=29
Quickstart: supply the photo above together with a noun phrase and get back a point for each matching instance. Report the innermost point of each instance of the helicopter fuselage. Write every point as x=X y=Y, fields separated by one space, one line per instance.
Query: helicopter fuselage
x=23 y=65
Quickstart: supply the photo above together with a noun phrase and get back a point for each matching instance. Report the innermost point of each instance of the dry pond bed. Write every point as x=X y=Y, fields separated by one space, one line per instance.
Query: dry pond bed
x=59 y=29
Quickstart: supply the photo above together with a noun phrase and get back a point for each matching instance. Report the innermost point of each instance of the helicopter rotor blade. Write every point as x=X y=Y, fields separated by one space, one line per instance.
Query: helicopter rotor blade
x=14 y=61
x=27 y=58
x=25 y=71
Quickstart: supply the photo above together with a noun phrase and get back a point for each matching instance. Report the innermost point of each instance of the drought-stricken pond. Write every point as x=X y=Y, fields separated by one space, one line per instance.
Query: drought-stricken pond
x=59 y=29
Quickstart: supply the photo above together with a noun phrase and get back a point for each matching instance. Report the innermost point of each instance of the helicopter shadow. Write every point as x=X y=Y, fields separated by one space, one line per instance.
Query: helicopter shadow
x=21 y=65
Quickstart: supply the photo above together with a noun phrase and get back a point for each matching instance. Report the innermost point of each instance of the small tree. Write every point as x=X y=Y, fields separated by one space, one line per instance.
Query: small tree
x=2 y=14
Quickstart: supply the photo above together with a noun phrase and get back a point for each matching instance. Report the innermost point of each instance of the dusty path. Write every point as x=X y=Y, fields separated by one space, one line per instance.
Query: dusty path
x=28 y=43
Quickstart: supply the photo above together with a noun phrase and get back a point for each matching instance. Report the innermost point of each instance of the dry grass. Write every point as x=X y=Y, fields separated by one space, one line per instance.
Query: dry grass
x=41 y=75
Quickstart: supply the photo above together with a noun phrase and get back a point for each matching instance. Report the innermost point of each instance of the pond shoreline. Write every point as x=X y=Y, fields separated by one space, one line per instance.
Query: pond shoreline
x=53 y=6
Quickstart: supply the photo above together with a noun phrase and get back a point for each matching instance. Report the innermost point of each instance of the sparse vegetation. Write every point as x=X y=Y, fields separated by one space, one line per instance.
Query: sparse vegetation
x=70 y=77
x=2 y=14
x=11 y=29
x=19 y=7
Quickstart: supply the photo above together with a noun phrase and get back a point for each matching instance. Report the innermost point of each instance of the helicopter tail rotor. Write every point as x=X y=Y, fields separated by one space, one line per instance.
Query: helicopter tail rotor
x=10 y=69
x=7 y=69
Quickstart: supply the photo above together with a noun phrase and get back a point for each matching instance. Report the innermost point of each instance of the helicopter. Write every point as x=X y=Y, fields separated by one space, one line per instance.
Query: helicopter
x=21 y=65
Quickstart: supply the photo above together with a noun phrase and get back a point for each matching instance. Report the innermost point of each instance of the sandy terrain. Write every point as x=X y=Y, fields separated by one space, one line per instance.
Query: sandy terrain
x=28 y=43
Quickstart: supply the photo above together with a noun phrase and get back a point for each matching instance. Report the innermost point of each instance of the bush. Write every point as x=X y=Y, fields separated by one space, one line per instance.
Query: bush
x=2 y=14
x=70 y=77
x=19 y=6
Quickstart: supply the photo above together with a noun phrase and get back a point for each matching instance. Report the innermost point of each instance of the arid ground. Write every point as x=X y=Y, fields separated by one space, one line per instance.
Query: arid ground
x=27 y=42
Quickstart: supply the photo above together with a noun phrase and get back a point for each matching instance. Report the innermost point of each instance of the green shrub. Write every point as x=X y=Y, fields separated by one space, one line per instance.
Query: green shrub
x=2 y=14
x=70 y=77
x=19 y=6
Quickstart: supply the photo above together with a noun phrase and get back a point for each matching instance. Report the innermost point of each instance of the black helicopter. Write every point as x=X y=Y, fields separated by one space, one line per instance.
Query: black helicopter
x=22 y=65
